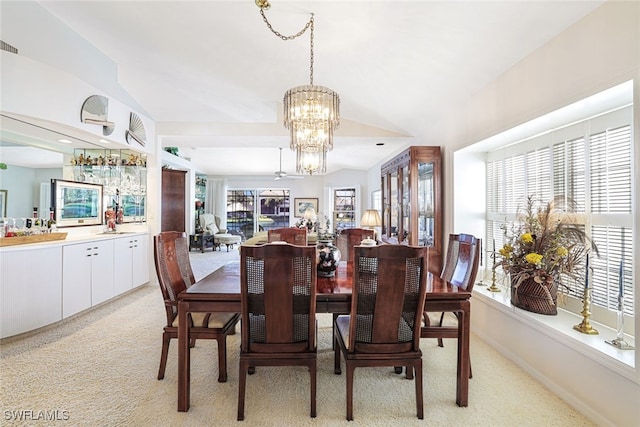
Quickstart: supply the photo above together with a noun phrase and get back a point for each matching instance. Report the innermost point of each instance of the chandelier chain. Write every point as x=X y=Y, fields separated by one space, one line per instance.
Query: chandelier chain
x=308 y=25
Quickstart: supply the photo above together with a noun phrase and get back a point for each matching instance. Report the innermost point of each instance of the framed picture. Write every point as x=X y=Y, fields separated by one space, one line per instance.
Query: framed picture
x=301 y=205
x=133 y=207
x=77 y=203
x=3 y=203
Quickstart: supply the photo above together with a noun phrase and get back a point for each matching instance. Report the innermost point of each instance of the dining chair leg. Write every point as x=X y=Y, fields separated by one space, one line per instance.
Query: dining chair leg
x=222 y=359
x=166 y=339
x=440 y=344
x=312 y=379
x=409 y=372
x=350 y=371
x=336 y=358
x=242 y=383
x=333 y=326
x=419 y=390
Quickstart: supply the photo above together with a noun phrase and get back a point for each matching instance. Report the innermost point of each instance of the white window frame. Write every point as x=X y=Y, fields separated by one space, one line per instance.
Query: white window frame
x=526 y=167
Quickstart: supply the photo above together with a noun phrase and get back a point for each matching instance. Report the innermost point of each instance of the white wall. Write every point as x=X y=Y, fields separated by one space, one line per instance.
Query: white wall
x=598 y=52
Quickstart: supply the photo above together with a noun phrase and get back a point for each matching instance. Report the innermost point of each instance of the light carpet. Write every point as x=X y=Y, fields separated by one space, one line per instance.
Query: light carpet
x=99 y=369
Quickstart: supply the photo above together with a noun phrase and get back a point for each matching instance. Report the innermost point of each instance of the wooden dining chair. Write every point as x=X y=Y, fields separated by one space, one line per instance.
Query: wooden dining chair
x=278 y=293
x=295 y=236
x=460 y=269
x=383 y=327
x=171 y=255
x=349 y=238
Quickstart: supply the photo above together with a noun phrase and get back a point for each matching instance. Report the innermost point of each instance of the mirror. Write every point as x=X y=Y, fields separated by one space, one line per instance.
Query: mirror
x=34 y=152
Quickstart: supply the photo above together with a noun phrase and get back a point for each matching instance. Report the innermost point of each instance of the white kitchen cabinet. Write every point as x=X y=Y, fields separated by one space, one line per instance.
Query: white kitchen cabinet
x=30 y=289
x=131 y=267
x=87 y=275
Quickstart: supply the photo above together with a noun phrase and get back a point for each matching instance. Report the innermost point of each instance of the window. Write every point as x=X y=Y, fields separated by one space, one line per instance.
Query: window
x=589 y=164
x=270 y=206
x=344 y=208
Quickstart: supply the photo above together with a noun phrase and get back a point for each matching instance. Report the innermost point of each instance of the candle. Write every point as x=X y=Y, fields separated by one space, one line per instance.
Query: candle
x=621 y=275
x=621 y=280
x=586 y=275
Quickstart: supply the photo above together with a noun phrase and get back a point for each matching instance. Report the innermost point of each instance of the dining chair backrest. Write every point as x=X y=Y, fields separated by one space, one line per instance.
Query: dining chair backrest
x=349 y=238
x=295 y=236
x=462 y=259
x=171 y=256
x=388 y=295
x=278 y=292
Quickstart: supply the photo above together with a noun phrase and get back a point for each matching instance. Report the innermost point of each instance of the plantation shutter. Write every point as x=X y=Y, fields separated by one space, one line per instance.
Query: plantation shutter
x=590 y=164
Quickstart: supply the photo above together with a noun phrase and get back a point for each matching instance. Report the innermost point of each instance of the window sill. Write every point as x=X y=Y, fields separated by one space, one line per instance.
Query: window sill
x=560 y=328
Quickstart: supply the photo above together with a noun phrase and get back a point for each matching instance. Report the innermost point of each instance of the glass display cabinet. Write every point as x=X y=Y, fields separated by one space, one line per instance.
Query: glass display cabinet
x=411 y=186
x=122 y=173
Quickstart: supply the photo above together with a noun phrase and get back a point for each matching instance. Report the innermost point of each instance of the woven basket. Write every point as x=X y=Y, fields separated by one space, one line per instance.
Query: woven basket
x=536 y=297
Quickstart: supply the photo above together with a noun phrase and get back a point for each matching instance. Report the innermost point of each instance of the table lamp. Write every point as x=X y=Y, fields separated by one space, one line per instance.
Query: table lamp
x=310 y=217
x=370 y=218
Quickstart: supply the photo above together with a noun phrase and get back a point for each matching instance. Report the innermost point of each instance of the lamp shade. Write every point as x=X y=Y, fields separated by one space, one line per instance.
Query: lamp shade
x=310 y=213
x=371 y=218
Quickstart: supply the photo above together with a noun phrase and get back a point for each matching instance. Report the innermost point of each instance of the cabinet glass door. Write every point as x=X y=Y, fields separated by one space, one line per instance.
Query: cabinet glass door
x=406 y=204
x=425 y=204
x=393 y=182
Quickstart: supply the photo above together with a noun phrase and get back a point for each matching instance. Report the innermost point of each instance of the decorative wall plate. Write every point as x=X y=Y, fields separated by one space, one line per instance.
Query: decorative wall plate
x=95 y=111
x=136 y=130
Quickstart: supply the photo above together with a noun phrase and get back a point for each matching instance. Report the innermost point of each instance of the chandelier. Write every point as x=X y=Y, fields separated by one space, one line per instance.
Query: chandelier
x=311 y=113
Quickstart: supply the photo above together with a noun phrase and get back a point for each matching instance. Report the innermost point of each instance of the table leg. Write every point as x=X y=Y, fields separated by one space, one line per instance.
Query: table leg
x=464 y=326
x=184 y=363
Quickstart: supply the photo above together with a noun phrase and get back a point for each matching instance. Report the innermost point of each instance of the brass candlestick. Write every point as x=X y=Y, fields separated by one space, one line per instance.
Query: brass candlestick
x=584 y=326
x=493 y=287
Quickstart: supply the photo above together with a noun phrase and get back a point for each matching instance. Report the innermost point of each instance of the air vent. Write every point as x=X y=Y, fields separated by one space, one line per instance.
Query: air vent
x=8 y=47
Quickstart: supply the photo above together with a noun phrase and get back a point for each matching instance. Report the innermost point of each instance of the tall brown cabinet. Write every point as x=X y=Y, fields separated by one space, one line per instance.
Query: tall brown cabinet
x=412 y=200
x=173 y=200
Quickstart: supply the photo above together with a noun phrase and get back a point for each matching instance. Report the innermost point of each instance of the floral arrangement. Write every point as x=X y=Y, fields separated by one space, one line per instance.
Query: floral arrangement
x=544 y=245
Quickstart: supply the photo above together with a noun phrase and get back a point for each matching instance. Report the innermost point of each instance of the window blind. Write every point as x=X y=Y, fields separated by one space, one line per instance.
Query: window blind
x=589 y=164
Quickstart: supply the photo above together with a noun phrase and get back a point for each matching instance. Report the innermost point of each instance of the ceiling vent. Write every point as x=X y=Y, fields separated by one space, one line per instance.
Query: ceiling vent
x=8 y=47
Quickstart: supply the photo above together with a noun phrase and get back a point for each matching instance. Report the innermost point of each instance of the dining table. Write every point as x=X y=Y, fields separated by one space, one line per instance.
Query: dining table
x=220 y=292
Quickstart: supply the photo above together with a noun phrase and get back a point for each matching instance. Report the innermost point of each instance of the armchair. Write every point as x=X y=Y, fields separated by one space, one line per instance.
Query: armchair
x=211 y=225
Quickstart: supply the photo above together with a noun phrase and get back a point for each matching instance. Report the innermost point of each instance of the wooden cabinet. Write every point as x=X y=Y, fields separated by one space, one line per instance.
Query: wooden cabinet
x=173 y=200
x=87 y=275
x=30 y=289
x=411 y=186
x=130 y=262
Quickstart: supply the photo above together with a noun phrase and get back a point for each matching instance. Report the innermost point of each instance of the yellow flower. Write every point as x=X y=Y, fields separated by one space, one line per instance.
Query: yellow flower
x=533 y=258
x=526 y=238
x=562 y=251
x=506 y=251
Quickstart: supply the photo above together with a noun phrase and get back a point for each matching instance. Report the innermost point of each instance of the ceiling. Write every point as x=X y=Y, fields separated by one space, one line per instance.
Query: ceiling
x=212 y=75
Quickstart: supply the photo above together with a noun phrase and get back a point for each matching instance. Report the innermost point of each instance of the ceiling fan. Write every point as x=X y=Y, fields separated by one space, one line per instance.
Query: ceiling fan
x=280 y=174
